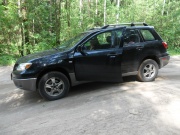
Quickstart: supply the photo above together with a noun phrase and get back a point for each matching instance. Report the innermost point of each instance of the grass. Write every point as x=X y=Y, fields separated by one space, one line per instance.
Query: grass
x=173 y=52
x=6 y=60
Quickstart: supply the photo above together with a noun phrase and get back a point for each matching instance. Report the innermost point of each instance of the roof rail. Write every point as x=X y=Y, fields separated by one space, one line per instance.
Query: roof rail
x=120 y=24
x=132 y=24
x=95 y=28
x=104 y=27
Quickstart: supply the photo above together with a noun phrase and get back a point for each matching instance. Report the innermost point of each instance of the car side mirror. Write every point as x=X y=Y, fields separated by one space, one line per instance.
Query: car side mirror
x=80 y=49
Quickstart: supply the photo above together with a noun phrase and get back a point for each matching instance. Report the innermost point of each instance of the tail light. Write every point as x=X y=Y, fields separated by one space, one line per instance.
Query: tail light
x=165 y=45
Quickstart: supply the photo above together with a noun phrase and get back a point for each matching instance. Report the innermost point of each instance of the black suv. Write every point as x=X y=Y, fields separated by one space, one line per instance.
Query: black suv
x=100 y=54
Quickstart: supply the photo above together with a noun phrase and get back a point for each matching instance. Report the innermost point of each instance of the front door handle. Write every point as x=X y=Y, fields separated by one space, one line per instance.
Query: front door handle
x=139 y=47
x=112 y=56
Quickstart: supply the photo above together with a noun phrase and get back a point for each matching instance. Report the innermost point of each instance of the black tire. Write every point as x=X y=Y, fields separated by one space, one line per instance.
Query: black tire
x=148 y=71
x=53 y=86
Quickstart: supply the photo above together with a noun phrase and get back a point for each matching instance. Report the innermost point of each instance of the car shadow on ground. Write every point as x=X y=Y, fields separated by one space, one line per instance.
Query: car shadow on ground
x=93 y=86
x=21 y=97
x=78 y=90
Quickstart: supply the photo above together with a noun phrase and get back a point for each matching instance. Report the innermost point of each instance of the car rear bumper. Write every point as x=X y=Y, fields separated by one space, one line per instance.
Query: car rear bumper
x=164 y=60
x=25 y=84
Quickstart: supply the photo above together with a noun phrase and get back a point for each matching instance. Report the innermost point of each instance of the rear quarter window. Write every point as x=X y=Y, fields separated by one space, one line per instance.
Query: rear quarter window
x=147 y=35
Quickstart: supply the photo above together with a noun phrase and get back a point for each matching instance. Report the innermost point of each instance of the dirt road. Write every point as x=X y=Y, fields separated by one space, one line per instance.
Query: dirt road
x=129 y=108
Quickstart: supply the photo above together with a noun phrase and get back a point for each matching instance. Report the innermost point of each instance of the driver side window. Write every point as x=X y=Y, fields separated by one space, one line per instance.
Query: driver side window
x=101 y=41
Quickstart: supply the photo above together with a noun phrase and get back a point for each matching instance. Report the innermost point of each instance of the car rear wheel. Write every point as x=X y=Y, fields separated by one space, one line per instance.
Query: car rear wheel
x=53 y=86
x=148 y=71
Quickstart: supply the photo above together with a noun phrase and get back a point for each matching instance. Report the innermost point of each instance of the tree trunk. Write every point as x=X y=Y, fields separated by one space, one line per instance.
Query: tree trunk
x=164 y=2
x=68 y=12
x=33 y=31
x=50 y=16
x=4 y=2
x=22 y=42
x=58 y=22
x=96 y=8
x=80 y=11
x=117 y=14
x=104 y=12
x=89 y=8
x=26 y=26
x=21 y=48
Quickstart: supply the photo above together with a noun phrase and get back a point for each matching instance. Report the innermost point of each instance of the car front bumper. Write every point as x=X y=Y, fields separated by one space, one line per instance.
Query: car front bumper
x=25 y=84
x=164 y=60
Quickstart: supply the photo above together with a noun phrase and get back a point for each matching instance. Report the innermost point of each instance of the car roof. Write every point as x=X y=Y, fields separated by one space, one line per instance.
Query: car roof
x=118 y=26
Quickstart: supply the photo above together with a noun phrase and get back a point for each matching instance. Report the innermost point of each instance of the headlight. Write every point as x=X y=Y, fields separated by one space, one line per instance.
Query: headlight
x=23 y=66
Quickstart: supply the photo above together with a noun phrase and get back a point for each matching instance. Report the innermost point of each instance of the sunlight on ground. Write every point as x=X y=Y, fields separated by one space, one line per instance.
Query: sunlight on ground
x=171 y=113
x=14 y=96
x=124 y=87
x=99 y=114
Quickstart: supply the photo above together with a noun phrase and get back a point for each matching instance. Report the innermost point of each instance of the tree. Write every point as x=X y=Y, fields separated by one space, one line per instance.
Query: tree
x=28 y=26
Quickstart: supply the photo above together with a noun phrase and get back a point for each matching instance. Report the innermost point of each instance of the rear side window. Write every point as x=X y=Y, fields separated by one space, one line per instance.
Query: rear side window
x=147 y=35
x=131 y=37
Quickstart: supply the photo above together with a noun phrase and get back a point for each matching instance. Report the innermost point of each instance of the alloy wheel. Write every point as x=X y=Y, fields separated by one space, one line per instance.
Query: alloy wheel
x=149 y=71
x=54 y=86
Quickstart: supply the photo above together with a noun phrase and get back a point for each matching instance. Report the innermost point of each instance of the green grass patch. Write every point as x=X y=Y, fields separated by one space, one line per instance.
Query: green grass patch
x=7 y=59
x=174 y=51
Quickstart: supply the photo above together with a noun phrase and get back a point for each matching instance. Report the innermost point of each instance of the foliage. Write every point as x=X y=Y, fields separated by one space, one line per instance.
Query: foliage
x=28 y=26
x=7 y=60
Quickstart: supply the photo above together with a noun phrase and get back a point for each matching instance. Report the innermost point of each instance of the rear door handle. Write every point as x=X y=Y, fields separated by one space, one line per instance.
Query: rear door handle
x=112 y=54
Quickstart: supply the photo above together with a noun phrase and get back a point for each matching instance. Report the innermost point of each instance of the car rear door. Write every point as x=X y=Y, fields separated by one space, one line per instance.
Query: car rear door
x=132 y=49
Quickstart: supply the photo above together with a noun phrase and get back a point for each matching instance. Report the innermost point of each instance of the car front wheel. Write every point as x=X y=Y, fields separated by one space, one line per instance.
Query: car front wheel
x=53 y=86
x=148 y=71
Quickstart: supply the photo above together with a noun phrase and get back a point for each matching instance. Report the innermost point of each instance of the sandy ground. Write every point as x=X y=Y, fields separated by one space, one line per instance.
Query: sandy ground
x=129 y=108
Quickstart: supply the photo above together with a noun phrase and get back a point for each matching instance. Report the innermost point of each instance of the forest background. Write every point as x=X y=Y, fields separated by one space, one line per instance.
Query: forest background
x=28 y=26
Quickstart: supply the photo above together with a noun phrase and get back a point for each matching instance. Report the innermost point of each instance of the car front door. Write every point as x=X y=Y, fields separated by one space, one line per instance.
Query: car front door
x=100 y=59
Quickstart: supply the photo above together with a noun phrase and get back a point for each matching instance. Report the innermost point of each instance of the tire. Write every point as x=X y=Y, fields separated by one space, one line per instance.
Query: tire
x=148 y=71
x=53 y=86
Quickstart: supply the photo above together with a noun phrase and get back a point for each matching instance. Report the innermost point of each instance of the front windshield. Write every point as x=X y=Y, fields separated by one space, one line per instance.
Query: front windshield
x=71 y=42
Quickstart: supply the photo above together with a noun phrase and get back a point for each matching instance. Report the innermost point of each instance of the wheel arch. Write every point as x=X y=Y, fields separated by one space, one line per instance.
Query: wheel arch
x=155 y=58
x=47 y=70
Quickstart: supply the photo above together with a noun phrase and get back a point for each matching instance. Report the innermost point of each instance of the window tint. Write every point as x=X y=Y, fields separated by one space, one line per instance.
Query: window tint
x=104 y=40
x=118 y=33
x=147 y=35
x=131 y=37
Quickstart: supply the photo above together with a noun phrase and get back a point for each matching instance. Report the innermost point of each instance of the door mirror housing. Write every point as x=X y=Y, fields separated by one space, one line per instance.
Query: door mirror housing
x=80 y=49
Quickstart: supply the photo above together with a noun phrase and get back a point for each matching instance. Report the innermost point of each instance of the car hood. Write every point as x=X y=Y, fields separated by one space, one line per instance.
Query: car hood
x=38 y=55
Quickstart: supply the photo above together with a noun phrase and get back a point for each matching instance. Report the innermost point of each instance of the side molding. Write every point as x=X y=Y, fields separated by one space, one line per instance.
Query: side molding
x=130 y=73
